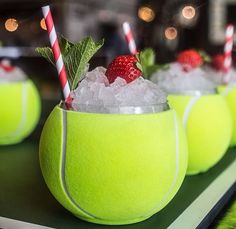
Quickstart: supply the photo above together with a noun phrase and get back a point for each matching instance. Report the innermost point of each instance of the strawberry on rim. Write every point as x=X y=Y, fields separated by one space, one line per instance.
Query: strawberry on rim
x=125 y=66
x=190 y=59
x=131 y=67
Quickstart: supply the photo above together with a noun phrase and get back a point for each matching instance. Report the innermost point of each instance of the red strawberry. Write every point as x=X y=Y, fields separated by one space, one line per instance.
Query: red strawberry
x=218 y=63
x=7 y=68
x=190 y=59
x=123 y=67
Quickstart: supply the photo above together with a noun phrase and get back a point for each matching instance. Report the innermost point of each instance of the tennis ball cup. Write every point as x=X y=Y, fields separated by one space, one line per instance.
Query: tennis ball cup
x=19 y=112
x=113 y=168
x=208 y=126
x=229 y=92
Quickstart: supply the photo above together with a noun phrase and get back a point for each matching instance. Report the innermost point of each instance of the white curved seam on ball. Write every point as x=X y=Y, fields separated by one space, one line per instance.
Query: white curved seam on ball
x=64 y=140
x=176 y=133
x=188 y=109
x=22 y=123
x=228 y=89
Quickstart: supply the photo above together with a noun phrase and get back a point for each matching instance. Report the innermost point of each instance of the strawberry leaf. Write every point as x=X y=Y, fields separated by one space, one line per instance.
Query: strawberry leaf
x=147 y=57
x=139 y=66
x=206 y=58
x=156 y=67
x=146 y=60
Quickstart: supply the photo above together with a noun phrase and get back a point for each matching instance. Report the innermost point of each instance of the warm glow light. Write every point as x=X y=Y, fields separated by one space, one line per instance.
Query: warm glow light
x=146 y=14
x=11 y=24
x=188 y=12
x=43 y=24
x=171 y=33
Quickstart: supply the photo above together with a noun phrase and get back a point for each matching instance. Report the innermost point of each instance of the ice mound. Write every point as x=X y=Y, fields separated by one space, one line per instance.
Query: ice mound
x=10 y=73
x=218 y=77
x=175 y=80
x=95 y=94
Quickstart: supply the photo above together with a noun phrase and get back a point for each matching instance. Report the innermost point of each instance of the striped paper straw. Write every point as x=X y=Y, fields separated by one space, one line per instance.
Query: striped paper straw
x=129 y=38
x=228 y=47
x=56 y=51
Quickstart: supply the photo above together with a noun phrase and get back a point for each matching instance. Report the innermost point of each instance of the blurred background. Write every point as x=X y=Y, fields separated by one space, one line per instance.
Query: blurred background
x=168 y=26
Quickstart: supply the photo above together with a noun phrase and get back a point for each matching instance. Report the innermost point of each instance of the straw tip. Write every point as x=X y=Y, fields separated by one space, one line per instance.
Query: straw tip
x=126 y=26
x=45 y=8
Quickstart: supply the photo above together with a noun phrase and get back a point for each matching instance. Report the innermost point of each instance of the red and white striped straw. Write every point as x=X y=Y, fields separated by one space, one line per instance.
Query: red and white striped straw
x=228 y=47
x=56 y=51
x=129 y=38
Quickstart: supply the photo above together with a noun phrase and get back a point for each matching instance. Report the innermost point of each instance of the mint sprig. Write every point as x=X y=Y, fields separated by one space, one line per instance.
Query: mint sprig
x=146 y=63
x=75 y=57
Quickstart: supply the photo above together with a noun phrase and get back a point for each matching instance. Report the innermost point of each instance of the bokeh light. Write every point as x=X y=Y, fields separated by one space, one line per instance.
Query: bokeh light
x=43 y=24
x=171 y=33
x=146 y=14
x=189 y=12
x=11 y=24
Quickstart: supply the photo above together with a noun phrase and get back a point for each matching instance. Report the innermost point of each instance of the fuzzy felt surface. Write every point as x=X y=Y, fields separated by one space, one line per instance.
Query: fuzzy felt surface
x=209 y=129
x=231 y=101
x=20 y=111
x=229 y=219
x=113 y=169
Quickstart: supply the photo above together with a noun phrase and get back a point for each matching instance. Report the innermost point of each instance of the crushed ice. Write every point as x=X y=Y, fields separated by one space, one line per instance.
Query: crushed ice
x=95 y=94
x=174 y=79
x=16 y=74
x=217 y=77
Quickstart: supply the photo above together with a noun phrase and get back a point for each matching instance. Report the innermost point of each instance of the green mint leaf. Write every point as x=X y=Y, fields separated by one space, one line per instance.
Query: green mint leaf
x=77 y=58
x=46 y=52
x=65 y=45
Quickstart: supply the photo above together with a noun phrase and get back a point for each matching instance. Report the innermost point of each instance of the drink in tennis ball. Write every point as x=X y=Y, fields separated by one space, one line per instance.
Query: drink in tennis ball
x=20 y=104
x=205 y=114
x=217 y=73
x=118 y=155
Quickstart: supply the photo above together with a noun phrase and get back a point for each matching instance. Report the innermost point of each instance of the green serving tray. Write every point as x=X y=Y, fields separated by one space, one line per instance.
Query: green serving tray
x=25 y=201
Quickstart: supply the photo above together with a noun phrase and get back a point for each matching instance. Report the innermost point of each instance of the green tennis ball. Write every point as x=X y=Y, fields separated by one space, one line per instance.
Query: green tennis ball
x=20 y=111
x=230 y=95
x=229 y=219
x=113 y=168
x=208 y=128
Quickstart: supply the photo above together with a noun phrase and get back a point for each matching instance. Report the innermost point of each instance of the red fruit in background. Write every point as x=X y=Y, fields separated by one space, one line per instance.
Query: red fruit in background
x=7 y=68
x=190 y=59
x=218 y=63
x=124 y=67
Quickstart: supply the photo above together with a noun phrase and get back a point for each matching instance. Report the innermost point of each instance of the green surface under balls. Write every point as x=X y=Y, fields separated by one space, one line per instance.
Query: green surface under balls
x=25 y=197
